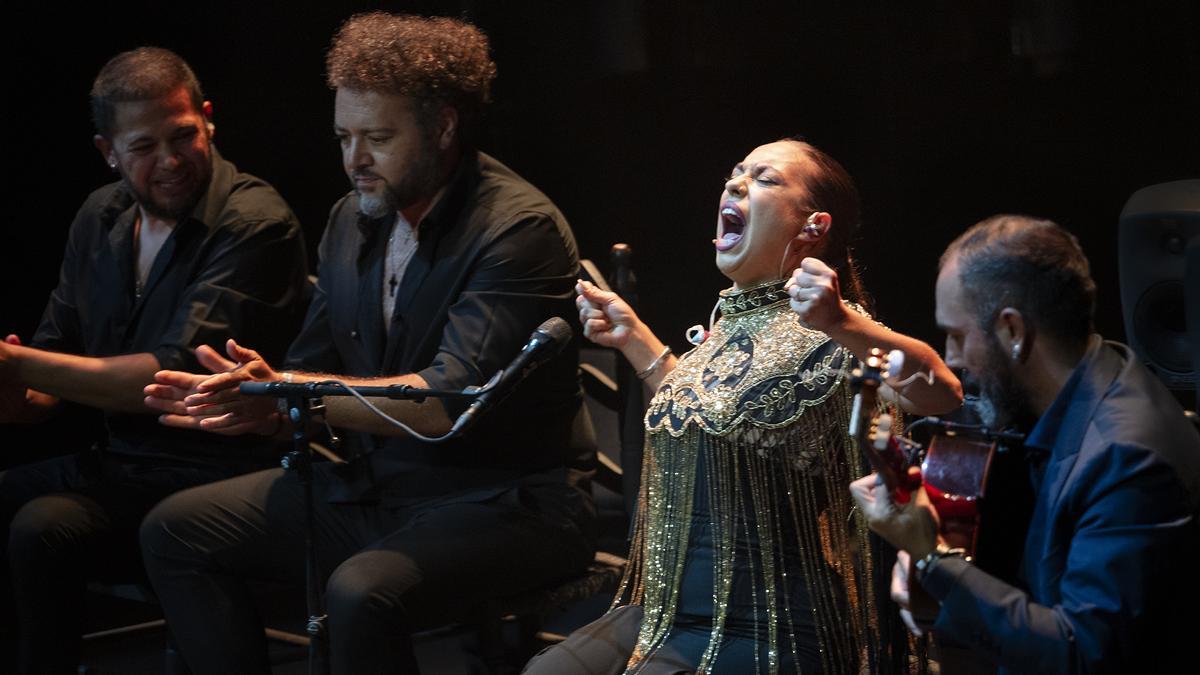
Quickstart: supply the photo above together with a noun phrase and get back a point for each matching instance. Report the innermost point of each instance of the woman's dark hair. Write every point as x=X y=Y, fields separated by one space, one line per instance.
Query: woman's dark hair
x=831 y=189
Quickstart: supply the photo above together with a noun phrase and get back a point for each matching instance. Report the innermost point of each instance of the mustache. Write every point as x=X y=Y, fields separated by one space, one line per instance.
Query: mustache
x=365 y=173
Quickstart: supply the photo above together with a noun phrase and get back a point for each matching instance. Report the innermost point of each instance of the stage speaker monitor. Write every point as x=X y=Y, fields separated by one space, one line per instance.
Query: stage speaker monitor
x=1159 y=257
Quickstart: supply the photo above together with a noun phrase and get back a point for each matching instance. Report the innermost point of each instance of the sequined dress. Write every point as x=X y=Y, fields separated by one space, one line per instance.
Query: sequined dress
x=746 y=554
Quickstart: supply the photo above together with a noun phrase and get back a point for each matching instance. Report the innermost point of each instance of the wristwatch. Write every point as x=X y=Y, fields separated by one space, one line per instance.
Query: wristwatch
x=942 y=551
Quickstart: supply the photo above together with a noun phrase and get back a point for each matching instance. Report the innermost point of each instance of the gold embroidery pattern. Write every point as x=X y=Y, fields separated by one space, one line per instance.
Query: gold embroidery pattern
x=774 y=447
x=709 y=386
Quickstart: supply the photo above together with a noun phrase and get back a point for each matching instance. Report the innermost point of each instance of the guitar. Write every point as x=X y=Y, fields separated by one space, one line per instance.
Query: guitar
x=953 y=467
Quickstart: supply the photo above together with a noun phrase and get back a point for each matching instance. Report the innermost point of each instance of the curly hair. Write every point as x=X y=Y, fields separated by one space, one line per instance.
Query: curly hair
x=140 y=74
x=436 y=61
x=1032 y=265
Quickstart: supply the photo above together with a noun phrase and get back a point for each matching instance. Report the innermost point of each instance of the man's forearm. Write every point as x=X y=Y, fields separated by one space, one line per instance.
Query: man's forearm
x=109 y=383
x=428 y=417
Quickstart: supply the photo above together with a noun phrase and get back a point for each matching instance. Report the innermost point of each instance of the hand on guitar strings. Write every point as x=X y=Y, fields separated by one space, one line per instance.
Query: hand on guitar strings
x=911 y=527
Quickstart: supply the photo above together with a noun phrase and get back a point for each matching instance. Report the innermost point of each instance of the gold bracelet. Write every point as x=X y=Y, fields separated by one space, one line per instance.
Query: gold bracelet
x=649 y=370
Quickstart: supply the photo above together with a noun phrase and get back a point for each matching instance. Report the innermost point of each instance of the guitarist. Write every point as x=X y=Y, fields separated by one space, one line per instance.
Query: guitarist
x=1108 y=574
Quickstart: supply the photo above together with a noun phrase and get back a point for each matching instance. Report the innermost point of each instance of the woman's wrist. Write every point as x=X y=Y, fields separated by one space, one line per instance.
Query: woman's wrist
x=643 y=348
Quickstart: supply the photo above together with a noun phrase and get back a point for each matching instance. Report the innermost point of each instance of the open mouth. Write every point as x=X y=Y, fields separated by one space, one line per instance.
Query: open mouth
x=733 y=225
x=173 y=183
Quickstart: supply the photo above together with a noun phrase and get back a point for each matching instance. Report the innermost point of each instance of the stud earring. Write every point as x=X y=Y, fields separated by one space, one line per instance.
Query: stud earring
x=1016 y=351
x=112 y=162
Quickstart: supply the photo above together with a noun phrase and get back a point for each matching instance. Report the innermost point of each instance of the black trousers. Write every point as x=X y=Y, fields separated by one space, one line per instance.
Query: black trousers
x=64 y=522
x=387 y=571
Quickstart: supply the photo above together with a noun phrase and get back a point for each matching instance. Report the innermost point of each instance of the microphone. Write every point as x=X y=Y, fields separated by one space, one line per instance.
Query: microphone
x=548 y=340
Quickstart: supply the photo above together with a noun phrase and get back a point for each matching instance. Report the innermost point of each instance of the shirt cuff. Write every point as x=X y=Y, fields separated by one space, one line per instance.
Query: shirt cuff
x=941 y=577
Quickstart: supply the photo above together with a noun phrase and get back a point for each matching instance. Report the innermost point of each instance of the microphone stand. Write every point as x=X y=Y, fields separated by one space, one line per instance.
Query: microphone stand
x=304 y=404
x=301 y=411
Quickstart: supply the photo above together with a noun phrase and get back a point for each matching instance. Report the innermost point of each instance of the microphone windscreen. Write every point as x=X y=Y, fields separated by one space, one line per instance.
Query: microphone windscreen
x=557 y=330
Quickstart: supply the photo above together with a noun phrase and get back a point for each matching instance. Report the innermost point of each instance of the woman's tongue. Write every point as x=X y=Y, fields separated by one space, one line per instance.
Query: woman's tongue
x=728 y=240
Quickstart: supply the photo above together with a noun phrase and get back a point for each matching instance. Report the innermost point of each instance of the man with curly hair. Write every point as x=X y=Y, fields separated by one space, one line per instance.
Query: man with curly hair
x=433 y=272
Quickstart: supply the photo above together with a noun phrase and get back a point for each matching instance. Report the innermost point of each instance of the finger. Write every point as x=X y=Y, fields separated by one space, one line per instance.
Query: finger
x=241 y=407
x=802 y=310
x=219 y=421
x=792 y=280
x=230 y=424
x=197 y=423
x=179 y=421
x=883 y=499
x=239 y=353
x=591 y=313
x=180 y=379
x=165 y=392
x=595 y=295
x=861 y=491
x=214 y=362
x=214 y=397
x=597 y=326
x=804 y=279
x=221 y=381
x=911 y=623
x=800 y=293
x=165 y=405
x=236 y=429
x=899 y=586
x=815 y=266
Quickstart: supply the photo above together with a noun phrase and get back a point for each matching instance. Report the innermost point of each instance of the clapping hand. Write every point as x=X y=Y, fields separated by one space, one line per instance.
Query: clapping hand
x=212 y=402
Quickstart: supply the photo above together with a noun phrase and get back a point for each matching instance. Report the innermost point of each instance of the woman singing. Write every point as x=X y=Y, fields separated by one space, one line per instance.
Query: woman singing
x=746 y=554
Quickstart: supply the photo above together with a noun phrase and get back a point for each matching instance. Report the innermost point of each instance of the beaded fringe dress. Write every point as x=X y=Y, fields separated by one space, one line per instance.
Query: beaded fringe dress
x=757 y=415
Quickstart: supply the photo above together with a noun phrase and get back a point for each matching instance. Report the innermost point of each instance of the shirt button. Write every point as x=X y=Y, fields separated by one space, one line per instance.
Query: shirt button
x=353 y=335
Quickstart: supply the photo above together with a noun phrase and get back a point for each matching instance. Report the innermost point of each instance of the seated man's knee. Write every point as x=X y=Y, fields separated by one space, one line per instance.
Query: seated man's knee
x=373 y=587
x=165 y=530
x=52 y=524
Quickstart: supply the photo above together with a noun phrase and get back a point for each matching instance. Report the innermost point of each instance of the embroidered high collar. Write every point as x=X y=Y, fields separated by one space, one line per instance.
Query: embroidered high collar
x=735 y=302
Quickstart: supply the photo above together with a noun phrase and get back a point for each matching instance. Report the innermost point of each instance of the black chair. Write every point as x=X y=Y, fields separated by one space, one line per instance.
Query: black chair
x=614 y=400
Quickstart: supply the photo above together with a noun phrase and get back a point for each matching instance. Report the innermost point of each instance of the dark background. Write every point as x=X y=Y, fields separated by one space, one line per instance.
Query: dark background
x=630 y=113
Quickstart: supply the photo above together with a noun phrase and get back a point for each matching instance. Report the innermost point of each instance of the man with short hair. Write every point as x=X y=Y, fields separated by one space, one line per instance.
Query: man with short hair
x=169 y=258
x=433 y=272
x=1109 y=557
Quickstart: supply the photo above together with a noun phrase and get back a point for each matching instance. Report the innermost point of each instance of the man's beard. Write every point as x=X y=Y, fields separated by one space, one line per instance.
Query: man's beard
x=1002 y=402
x=417 y=183
x=171 y=211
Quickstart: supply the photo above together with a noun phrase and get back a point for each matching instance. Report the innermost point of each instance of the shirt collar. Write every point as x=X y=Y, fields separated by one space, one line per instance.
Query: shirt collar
x=1045 y=433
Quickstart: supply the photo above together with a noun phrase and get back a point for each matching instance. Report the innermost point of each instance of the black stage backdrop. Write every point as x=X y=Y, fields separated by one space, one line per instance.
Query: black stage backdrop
x=630 y=113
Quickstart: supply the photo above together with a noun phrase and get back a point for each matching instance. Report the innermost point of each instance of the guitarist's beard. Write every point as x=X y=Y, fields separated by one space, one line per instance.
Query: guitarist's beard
x=1002 y=403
